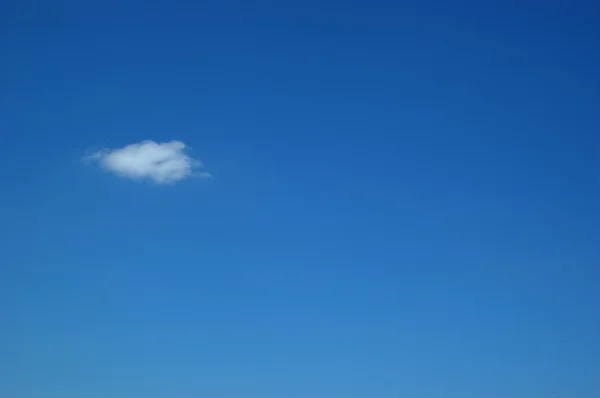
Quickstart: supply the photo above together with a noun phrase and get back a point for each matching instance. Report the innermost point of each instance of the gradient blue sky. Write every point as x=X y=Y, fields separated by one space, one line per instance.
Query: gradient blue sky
x=405 y=201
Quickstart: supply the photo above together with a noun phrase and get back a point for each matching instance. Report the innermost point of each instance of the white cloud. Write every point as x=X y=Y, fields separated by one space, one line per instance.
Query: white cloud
x=162 y=163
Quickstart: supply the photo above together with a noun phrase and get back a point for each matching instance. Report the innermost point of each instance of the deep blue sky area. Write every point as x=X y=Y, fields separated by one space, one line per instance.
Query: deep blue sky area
x=405 y=200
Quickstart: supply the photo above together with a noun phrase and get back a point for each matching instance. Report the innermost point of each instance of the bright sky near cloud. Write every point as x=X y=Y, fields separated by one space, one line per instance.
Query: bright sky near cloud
x=309 y=199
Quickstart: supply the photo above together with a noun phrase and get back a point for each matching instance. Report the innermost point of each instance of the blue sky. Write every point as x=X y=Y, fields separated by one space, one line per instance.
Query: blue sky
x=403 y=200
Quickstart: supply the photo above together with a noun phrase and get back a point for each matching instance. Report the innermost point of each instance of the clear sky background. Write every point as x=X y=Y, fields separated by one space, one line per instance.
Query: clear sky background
x=404 y=201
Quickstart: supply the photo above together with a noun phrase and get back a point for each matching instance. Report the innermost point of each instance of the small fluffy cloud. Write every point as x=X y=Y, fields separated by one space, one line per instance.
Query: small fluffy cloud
x=162 y=163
